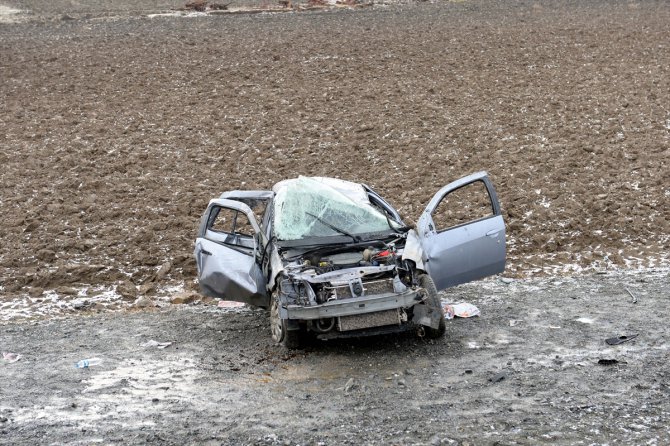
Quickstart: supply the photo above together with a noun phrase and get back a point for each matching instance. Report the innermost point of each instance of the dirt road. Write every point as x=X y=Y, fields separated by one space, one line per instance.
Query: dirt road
x=526 y=372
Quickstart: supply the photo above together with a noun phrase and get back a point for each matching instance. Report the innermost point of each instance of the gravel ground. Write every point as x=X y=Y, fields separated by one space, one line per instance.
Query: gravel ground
x=525 y=372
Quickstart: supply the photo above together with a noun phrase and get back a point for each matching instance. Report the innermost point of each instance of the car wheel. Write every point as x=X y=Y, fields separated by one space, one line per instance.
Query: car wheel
x=279 y=327
x=435 y=303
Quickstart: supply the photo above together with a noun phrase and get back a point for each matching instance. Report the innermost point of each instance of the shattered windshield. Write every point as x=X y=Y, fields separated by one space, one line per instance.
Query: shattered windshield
x=323 y=207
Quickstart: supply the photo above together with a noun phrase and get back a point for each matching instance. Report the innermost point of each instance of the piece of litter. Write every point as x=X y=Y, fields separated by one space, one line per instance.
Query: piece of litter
x=157 y=344
x=585 y=320
x=620 y=339
x=448 y=311
x=229 y=304
x=513 y=322
x=465 y=310
x=10 y=357
x=631 y=295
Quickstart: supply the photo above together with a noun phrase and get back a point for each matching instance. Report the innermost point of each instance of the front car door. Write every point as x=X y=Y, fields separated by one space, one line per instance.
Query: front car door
x=226 y=252
x=462 y=232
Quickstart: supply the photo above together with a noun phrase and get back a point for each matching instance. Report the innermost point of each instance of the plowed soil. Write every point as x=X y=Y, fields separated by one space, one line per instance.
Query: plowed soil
x=118 y=128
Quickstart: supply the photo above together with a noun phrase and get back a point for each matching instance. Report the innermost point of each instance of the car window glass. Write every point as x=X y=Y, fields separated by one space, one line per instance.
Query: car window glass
x=463 y=205
x=230 y=221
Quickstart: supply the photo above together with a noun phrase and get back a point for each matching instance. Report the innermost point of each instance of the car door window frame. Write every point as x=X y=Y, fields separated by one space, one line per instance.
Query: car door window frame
x=231 y=240
x=425 y=228
x=493 y=204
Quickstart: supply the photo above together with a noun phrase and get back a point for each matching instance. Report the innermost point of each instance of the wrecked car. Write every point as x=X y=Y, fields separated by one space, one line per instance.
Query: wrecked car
x=331 y=258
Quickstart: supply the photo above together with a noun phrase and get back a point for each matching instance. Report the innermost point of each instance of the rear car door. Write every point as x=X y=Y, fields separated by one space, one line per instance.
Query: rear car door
x=226 y=253
x=462 y=232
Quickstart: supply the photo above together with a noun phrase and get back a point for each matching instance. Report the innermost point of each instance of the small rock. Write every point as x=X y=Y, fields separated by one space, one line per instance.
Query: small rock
x=498 y=377
x=46 y=255
x=163 y=271
x=127 y=290
x=66 y=290
x=506 y=280
x=147 y=288
x=35 y=291
x=185 y=297
x=410 y=372
x=143 y=302
x=79 y=304
x=402 y=383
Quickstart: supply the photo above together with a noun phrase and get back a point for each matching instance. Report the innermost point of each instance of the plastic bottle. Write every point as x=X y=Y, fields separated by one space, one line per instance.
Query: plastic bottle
x=86 y=363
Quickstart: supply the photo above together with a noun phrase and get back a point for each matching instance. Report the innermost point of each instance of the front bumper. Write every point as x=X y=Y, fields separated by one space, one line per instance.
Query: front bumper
x=353 y=306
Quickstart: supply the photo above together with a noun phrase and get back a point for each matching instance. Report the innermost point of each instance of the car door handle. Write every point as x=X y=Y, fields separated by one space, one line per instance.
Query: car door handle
x=492 y=232
x=207 y=253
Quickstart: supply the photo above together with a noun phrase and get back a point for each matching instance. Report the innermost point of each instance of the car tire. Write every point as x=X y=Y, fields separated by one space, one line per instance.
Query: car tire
x=291 y=339
x=434 y=302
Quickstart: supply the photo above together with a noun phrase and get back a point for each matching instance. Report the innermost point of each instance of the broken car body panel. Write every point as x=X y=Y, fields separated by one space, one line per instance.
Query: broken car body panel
x=226 y=260
x=337 y=258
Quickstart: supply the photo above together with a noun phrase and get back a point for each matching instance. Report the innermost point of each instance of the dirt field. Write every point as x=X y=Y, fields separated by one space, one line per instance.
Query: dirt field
x=119 y=121
x=118 y=130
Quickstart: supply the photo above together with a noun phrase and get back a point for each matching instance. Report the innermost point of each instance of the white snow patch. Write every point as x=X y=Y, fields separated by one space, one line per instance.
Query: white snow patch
x=9 y=14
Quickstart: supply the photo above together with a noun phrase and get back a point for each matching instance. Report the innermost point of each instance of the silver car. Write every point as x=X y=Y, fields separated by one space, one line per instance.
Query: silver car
x=331 y=258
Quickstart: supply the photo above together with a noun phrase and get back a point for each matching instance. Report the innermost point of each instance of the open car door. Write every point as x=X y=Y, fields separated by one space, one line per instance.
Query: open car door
x=462 y=232
x=226 y=253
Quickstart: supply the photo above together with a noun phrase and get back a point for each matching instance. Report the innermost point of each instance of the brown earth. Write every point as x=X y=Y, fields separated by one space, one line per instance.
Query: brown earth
x=117 y=128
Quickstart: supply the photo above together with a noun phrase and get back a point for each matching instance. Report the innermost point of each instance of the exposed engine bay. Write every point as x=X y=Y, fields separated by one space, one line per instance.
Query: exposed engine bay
x=330 y=274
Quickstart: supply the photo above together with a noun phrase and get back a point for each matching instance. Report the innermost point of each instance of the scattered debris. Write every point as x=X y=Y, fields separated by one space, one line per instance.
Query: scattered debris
x=463 y=310
x=620 y=339
x=10 y=357
x=631 y=295
x=229 y=304
x=157 y=344
x=513 y=322
x=86 y=363
x=350 y=385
